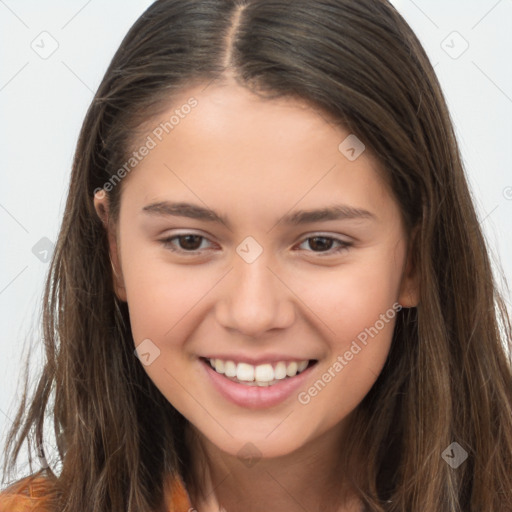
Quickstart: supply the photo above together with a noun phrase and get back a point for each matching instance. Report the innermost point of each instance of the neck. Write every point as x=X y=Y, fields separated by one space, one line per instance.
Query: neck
x=307 y=479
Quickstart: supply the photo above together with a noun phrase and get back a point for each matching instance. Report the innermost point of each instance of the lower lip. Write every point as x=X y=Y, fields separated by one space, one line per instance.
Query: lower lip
x=256 y=397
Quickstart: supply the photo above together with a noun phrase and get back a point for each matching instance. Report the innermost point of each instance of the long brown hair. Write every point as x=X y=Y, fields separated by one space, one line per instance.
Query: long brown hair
x=447 y=377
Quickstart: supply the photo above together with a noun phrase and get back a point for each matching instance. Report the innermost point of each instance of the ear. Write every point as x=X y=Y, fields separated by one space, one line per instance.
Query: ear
x=409 y=295
x=101 y=205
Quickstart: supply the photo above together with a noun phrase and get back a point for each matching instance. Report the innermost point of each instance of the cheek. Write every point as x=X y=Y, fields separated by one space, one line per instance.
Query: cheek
x=352 y=296
x=356 y=311
x=359 y=337
x=160 y=297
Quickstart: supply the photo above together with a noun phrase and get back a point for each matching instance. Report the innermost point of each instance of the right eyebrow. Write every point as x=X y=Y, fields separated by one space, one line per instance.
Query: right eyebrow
x=181 y=209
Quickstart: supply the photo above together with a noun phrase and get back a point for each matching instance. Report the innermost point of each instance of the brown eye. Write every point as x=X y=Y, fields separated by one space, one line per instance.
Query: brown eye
x=320 y=243
x=324 y=244
x=190 y=242
x=187 y=243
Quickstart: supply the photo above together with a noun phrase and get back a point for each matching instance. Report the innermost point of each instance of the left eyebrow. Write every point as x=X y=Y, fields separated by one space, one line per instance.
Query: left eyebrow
x=336 y=212
x=193 y=211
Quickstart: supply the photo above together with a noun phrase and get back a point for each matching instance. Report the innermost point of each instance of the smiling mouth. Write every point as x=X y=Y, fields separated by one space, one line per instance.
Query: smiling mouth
x=261 y=375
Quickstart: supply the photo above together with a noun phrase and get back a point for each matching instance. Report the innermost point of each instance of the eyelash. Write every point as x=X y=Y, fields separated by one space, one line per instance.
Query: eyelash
x=167 y=243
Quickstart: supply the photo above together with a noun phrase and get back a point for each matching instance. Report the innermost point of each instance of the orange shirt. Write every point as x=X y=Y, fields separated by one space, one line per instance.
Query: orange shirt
x=30 y=495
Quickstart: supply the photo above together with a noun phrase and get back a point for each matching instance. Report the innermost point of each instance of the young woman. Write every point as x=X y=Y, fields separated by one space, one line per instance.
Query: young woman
x=270 y=290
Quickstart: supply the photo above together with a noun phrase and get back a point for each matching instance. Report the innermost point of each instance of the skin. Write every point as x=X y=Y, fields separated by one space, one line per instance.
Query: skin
x=254 y=161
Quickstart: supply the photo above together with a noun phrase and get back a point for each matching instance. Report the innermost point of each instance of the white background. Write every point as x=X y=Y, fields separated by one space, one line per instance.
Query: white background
x=43 y=103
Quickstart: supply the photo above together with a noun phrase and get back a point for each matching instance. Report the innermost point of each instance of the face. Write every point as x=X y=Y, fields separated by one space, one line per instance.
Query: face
x=247 y=235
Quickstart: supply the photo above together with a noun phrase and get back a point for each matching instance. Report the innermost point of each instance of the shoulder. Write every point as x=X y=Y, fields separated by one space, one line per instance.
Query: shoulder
x=177 y=497
x=30 y=494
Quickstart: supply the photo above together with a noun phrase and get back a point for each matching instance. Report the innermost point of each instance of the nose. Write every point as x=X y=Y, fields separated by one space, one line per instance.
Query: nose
x=254 y=299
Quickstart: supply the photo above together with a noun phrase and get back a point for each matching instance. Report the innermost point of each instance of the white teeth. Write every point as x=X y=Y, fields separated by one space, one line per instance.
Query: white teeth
x=280 y=370
x=260 y=375
x=245 y=371
x=264 y=373
x=219 y=365
x=302 y=365
x=291 y=369
x=229 y=368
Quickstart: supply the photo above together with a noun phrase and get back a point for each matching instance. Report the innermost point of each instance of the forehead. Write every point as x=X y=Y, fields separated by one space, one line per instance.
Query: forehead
x=234 y=146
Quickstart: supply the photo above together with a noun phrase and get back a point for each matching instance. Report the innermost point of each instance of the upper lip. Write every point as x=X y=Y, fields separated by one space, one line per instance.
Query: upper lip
x=269 y=358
